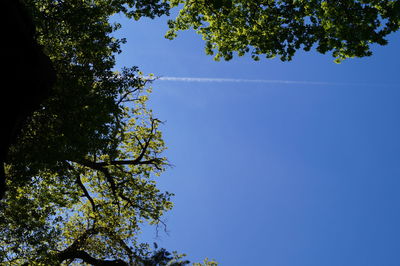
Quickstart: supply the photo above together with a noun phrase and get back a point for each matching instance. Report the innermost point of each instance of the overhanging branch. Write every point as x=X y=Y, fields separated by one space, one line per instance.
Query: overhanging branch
x=86 y=257
x=82 y=186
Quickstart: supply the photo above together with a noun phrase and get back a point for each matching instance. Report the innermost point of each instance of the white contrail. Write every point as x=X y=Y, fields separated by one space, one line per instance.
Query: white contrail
x=270 y=81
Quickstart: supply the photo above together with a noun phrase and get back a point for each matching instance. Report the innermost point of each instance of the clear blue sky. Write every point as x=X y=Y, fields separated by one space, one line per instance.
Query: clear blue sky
x=276 y=174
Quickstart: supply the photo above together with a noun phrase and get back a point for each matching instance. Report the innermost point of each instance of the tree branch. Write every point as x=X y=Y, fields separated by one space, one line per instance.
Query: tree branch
x=82 y=186
x=146 y=145
x=127 y=162
x=73 y=251
x=86 y=257
x=101 y=168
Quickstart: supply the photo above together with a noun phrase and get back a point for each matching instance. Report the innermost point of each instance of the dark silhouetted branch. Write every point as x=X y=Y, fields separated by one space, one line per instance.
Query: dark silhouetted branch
x=82 y=186
x=86 y=257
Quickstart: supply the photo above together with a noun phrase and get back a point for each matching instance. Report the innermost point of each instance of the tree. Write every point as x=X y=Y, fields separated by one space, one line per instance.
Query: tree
x=281 y=27
x=75 y=35
x=89 y=209
x=80 y=177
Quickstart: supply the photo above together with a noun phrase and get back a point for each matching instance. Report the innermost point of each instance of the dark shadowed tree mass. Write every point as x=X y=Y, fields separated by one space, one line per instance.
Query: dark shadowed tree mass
x=27 y=75
x=81 y=170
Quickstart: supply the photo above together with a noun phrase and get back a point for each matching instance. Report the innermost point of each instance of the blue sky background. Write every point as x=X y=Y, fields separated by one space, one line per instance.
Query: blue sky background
x=270 y=173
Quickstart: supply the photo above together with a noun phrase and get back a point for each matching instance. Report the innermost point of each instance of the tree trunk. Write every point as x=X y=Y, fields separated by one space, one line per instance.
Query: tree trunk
x=28 y=76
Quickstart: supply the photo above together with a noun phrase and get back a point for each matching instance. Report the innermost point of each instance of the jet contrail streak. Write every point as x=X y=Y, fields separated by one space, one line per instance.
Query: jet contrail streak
x=270 y=81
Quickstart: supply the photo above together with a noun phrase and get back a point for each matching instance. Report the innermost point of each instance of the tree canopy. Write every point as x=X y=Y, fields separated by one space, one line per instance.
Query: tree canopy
x=81 y=178
x=281 y=27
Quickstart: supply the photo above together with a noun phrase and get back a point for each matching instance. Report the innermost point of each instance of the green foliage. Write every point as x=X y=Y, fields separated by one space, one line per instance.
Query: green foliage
x=94 y=204
x=81 y=177
x=74 y=202
x=206 y=262
x=281 y=27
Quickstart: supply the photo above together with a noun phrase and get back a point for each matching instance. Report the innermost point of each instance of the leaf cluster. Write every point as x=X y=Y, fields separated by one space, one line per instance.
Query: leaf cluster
x=281 y=27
